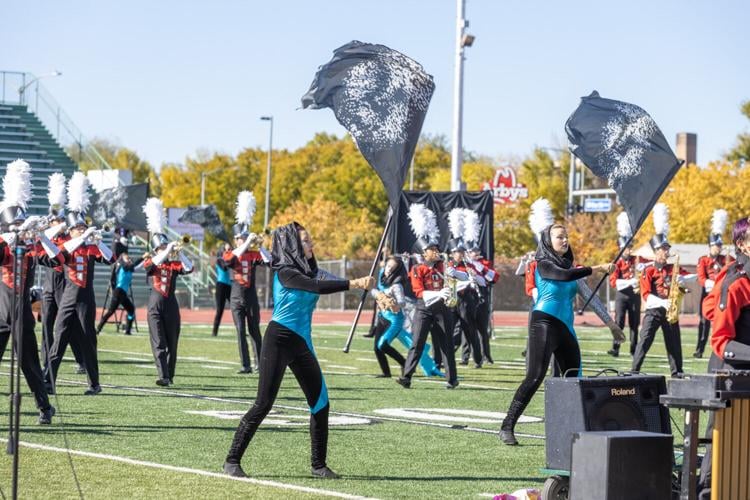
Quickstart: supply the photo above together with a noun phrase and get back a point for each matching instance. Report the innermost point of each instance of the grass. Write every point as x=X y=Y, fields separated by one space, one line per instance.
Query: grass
x=393 y=457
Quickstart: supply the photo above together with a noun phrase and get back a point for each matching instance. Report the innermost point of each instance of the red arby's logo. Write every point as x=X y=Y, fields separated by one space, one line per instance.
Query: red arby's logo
x=505 y=188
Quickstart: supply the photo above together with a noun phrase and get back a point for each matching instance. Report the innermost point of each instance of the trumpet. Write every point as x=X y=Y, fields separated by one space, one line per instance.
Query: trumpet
x=185 y=240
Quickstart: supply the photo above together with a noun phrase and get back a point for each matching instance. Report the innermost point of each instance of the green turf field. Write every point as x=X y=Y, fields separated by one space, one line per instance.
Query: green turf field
x=137 y=440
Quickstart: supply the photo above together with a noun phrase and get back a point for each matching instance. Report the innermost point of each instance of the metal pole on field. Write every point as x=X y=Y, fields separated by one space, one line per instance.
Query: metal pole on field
x=269 y=119
x=463 y=39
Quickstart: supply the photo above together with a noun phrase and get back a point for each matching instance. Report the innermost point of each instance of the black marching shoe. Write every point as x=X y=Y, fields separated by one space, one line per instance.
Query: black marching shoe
x=247 y=370
x=404 y=382
x=234 y=470
x=324 y=473
x=45 y=416
x=93 y=391
x=507 y=437
x=698 y=354
x=451 y=385
x=614 y=352
x=489 y=360
x=163 y=382
x=80 y=369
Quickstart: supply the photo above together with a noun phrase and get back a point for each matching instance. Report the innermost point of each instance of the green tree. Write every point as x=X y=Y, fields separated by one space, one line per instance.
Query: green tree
x=741 y=151
x=121 y=158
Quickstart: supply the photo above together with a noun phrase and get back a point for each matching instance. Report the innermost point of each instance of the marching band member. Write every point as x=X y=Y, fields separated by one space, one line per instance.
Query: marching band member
x=428 y=283
x=489 y=277
x=167 y=263
x=727 y=307
x=288 y=342
x=655 y=285
x=708 y=269
x=244 y=298
x=625 y=280
x=551 y=329
x=53 y=282
x=77 y=308
x=17 y=190
x=465 y=310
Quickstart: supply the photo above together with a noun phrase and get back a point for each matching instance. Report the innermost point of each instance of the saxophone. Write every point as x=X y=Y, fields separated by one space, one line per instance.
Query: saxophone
x=451 y=283
x=676 y=294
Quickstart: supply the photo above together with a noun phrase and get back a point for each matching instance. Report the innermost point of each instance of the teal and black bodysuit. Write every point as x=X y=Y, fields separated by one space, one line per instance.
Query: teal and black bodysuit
x=551 y=326
x=288 y=342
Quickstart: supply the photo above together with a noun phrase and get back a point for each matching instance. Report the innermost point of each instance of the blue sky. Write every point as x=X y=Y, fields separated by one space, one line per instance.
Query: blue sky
x=170 y=78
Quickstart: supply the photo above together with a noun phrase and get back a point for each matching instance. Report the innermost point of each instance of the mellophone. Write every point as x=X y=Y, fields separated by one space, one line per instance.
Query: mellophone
x=727 y=392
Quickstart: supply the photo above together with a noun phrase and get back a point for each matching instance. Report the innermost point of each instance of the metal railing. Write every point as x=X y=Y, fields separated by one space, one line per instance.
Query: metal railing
x=24 y=89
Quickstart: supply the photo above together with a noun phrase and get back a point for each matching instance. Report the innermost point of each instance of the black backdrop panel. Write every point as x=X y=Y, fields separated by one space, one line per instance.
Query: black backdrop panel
x=441 y=203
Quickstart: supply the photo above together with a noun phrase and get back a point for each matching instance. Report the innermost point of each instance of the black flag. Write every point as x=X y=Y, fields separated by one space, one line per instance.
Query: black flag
x=381 y=97
x=207 y=218
x=120 y=206
x=621 y=143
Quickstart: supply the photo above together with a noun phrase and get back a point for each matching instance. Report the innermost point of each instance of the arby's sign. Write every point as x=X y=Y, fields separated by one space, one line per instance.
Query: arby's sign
x=505 y=188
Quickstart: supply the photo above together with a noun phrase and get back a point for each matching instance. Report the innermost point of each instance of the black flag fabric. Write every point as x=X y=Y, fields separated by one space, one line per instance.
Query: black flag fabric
x=621 y=143
x=381 y=97
x=207 y=218
x=120 y=206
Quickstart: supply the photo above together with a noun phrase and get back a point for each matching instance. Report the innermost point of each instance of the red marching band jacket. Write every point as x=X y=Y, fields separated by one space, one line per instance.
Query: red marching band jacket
x=163 y=277
x=529 y=278
x=729 y=310
x=624 y=269
x=33 y=251
x=426 y=278
x=59 y=240
x=657 y=282
x=80 y=263
x=710 y=267
x=243 y=266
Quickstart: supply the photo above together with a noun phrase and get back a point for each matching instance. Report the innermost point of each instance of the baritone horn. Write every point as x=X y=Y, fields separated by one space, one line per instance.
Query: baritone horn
x=185 y=240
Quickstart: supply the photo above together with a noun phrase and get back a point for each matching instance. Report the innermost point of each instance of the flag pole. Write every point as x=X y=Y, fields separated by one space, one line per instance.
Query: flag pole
x=599 y=285
x=372 y=272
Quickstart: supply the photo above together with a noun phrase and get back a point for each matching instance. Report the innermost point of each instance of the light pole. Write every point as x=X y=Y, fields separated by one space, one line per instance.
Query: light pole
x=463 y=39
x=203 y=204
x=269 y=119
x=22 y=88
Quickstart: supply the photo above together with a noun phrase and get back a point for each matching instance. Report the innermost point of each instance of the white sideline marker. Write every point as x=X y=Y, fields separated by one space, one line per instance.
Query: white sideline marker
x=187 y=470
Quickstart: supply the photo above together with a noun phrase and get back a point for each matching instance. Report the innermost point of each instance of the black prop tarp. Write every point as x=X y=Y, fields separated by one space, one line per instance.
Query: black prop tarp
x=403 y=239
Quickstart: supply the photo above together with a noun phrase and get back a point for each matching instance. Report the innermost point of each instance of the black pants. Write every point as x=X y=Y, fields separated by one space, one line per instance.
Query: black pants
x=222 y=294
x=465 y=324
x=164 y=331
x=628 y=305
x=246 y=314
x=548 y=336
x=75 y=320
x=653 y=319
x=50 y=300
x=380 y=326
x=704 y=328
x=119 y=298
x=436 y=318
x=32 y=371
x=281 y=348
x=484 y=310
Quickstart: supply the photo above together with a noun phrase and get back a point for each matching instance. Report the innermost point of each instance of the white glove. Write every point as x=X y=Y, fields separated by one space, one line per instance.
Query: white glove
x=53 y=231
x=654 y=302
x=445 y=293
x=88 y=232
x=477 y=265
x=640 y=266
x=709 y=285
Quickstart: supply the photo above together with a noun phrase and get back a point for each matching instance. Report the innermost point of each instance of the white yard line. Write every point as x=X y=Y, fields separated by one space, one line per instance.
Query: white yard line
x=187 y=470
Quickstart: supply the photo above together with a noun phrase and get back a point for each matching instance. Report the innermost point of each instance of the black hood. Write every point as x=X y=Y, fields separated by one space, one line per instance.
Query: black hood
x=287 y=251
x=544 y=251
x=398 y=276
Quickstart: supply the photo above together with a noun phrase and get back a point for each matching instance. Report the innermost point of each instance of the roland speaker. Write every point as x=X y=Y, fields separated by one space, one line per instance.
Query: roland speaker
x=573 y=405
x=621 y=465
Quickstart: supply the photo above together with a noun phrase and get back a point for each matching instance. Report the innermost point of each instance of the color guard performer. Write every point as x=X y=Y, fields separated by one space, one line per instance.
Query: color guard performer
x=122 y=277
